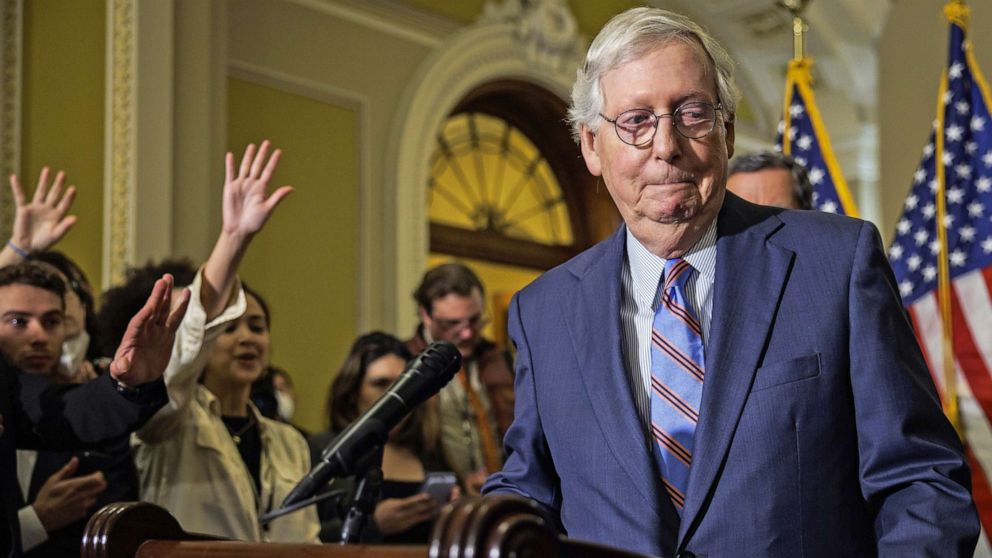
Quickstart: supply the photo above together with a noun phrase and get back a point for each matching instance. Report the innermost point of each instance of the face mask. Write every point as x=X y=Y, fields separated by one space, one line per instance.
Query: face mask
x=74 y=353
x=285 y=406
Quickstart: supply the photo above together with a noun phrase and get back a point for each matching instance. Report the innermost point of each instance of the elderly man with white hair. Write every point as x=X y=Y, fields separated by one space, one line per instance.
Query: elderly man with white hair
x=720 y=378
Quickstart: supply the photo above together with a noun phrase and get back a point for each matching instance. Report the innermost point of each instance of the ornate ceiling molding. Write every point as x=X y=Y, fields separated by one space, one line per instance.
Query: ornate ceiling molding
x=11 y=46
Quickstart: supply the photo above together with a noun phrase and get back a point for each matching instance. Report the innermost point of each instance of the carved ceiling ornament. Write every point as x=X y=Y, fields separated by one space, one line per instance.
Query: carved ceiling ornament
x=546 y=31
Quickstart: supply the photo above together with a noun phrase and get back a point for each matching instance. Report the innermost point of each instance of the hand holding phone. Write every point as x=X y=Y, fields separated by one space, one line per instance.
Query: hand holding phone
x=439 y=485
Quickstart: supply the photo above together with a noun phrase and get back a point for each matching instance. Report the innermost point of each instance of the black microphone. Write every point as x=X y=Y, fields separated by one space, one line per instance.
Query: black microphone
x=345 y=454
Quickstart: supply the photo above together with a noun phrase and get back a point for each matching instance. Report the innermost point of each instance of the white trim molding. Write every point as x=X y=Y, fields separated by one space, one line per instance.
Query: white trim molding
x=537 y=44
x=11 y=48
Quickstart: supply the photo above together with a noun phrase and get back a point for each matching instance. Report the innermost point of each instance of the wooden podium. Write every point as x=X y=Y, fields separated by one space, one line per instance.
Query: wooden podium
x=469 y=528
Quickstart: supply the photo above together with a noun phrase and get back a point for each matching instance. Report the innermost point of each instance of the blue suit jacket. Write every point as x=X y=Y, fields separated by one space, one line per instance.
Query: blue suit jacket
x=820 y=431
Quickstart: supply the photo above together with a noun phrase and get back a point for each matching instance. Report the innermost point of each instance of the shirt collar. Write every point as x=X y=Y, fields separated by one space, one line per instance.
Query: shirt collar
x=646 y=268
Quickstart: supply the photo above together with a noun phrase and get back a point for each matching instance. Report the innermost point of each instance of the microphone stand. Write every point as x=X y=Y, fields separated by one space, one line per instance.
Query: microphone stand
x=366 y=496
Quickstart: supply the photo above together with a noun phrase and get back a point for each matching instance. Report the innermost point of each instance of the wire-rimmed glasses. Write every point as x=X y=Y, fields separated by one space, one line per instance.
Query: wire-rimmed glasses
x=638 y=127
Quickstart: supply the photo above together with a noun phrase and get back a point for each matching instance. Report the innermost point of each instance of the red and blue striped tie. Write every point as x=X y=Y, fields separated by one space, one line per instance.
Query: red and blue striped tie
x=676 y=380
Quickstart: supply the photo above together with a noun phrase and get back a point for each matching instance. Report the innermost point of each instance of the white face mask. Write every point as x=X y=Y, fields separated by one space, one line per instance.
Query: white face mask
x=74 y=353
x=285 y=407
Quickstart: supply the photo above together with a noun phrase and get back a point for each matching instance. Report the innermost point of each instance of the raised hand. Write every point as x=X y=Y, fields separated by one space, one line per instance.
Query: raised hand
x=44 y=221
x=246 y=206
x=146 y=346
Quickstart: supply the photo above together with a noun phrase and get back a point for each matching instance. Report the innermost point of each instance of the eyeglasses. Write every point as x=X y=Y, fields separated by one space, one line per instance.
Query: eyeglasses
x=638 y=127
x=475 y=322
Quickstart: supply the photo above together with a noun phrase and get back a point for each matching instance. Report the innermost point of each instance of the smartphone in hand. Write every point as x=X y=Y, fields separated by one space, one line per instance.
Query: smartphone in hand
x=439 y=485
x=93 y=461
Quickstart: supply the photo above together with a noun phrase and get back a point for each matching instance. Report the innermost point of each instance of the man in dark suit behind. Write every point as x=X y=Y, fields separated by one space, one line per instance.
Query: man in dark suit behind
x=720 y=378
x=38 y=414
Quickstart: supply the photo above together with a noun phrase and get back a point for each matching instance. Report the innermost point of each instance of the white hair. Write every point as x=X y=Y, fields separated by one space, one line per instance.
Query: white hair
x=632 y=34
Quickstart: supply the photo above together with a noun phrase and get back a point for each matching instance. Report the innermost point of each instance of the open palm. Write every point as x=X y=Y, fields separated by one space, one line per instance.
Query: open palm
x=44 y=221
x=246 y=204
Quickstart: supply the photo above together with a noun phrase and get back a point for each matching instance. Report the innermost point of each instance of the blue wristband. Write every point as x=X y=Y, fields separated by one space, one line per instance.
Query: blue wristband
x=18 y=250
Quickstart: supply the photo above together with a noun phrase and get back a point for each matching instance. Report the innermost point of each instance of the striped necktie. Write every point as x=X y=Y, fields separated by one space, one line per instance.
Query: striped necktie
x=676 y=380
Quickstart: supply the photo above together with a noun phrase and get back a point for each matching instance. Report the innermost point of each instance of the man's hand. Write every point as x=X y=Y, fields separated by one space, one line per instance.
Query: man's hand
x=146 y=346
x=245 y=205
x=394 y=515
x=43 y=222
x=64 y=499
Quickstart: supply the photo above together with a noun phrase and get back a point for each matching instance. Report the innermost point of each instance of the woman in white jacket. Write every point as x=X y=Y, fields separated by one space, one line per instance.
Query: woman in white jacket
x=209 y=457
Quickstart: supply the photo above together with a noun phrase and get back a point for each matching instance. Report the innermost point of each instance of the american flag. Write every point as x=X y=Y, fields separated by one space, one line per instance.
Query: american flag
x=803 y=136
x=961 y=141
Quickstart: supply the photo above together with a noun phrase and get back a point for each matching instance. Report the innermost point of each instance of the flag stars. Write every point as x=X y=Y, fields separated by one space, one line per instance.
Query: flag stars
x=948 y=158
x=929 y=210
x=984 y=184
x=955 y=194
x=919 y=176
x=935 y=246
x=895 y=252
x=958 y=258
x=933 y=185
x=987 y=158
x=905 y=288
x=930 y=272
x=977 y=123
x=804 y=143
x=975 y=209
x=913 y=262
x=829 y=206
x=954 y=72
x=816 y=176
x=962 y=107
x=903 y=226
x=948 y=97
x=971 y=147
x=928 y=151
x=948 y=220
x=967 y=233
x=987 y=245
x=912 y=201
x=921 y=236
x=796 y=110
x=954 y=132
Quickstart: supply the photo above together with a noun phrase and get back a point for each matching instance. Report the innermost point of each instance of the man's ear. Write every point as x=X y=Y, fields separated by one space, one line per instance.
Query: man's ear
x=589 y=143
x=425 y=317
x=729 y=137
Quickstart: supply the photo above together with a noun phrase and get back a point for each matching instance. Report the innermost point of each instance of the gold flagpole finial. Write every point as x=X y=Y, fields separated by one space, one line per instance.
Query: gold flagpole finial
x=799 y=27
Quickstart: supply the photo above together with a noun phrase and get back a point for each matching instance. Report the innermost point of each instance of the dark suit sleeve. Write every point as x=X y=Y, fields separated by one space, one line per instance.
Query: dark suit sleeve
x=59 y=417
x=913 y=472
x=528 y=470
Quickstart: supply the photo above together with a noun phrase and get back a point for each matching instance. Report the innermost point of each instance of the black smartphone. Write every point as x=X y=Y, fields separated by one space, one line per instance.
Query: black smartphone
x=439 y=485
x=92 y=461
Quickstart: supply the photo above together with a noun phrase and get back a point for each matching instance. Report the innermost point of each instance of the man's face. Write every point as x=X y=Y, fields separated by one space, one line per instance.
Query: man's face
x=32 y=328
x=672 y=179
x=766 y=187
x=456 y=318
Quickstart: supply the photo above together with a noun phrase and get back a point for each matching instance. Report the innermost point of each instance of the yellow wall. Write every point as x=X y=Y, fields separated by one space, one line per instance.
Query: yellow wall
x=63 y=113
x=305 y=261
x=591 y=16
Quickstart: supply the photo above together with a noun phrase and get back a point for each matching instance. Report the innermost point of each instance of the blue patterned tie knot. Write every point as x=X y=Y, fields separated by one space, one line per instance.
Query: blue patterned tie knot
x=677 y=374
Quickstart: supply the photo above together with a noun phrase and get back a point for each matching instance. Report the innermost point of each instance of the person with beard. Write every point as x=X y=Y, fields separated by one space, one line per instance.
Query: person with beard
x=475 y=408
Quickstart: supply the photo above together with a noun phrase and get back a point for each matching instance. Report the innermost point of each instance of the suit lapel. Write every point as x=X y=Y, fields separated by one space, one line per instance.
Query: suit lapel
x=750 y=276
x=603 y=370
